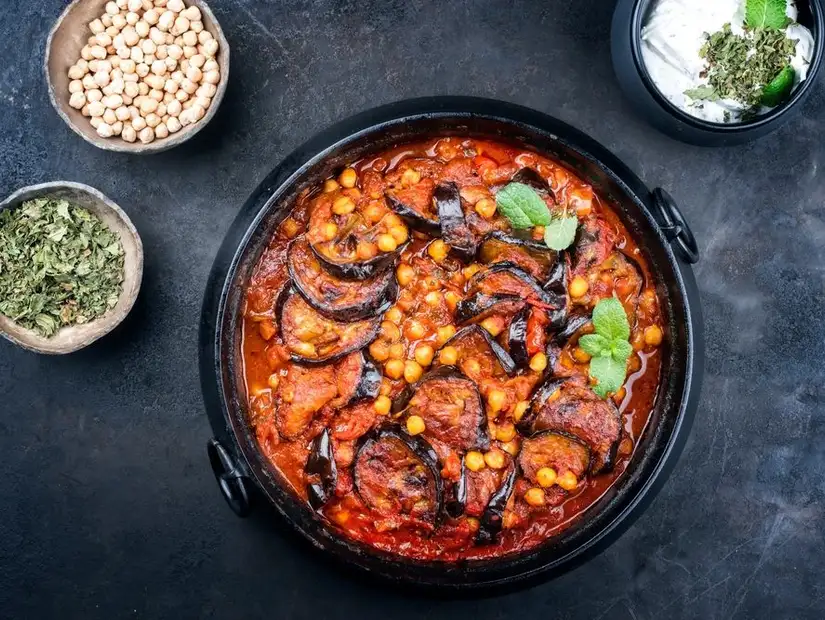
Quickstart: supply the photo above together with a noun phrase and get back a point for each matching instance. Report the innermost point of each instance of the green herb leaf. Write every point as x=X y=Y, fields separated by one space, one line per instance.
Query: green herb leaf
x=610 y=374
x=766 y=14
x=595 y=345
x=522 y=205
x=620 y=350
x=610 y=319
x=560 y=233
x=780 y=88
x=703 y=93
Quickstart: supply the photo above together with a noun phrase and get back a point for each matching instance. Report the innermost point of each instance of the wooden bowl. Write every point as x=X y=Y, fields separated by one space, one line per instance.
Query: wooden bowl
x=75 y=337
x=67 y=38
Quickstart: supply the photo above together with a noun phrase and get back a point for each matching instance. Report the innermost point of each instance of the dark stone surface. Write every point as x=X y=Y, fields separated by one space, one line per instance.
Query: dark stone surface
x=108 y=506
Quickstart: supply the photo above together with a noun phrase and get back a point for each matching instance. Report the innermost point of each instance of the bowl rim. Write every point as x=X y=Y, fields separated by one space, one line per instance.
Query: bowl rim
x=215 y=358
x=101 y=326
x=638 y=11
x=138 y=148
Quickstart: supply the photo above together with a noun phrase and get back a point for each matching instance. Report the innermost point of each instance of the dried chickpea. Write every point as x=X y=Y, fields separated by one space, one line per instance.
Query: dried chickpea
x=452 y=300
x=415 y=425
x=535 y=497
x=382 y=405
x=492 y=325
x=394 y=369
x=397 y=351
x=472 y=367
x=343 y=206
x=474 y=460
x=433 y=298
x=273 y=381
x=470 y=270
x=410 y=177
x=400 y=234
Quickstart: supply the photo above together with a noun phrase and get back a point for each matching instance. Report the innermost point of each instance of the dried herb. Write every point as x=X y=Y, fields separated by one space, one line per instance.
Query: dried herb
x=59 y=265
x=740 y=67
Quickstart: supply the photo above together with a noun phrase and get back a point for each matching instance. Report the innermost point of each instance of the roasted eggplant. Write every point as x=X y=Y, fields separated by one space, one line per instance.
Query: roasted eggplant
x=451 y=407
x=300 y=395
x=578 y=412
x=312 y=338
x=321 y=471
x=474 y=342
x=527 y=334
x=353 y=421
x=347 y=266
x=334 y=297
x=492 y=518
x=531 y=178
x=454 y=229
x=555 y=450
x=414 y=205
x=358 y=379
x=509 y=280
x=532 y=256
x=479 y=306
x=397 y=476
x=594 y=242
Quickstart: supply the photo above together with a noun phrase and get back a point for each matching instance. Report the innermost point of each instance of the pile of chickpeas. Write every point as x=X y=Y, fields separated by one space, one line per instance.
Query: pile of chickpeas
x=149 y=69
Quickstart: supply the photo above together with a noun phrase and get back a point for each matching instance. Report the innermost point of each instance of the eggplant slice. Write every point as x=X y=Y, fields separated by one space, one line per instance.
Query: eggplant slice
x=321 y=471
x=522 y=340
x=303 y=393
x=492 y=518
x=554 y=450
x=414 y=206
x=397 y=475
x=451 y=407
x=454 y=229
x=479 y=306
x=594 y=242
x=334 y=297
x=509 y=280
x=532 y=256
x=475 y=342
x=358 y=379
x=578 y=412
x=531 y=178
x=348 y=266
x=302 y=325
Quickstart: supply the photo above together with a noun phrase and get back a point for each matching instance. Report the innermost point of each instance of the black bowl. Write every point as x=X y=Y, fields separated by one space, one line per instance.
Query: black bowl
x=626 y=42
x=243 y=472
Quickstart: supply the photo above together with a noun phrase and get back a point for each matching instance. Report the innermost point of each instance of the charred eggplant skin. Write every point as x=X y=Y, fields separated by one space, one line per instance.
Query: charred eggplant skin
x=456 y=501
x=517 y=338
x=531 y=178
x=545 y=296
x=417 y=445
x=375 y=296
x=454 y=229
x=321 y=463
x=544 y=391
x=369 y=383
x=535 y=250
x=359 y=270
x=479 y=306
x=504 y=359
x=492 y=519
x=413 y=219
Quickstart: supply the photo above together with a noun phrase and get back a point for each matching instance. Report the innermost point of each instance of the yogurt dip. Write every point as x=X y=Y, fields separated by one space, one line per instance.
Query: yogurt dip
x=673 y=35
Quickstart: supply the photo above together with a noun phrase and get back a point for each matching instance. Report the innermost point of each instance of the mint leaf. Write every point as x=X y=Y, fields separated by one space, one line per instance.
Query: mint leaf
x=610 y=319
x=703 y=93
x=620 y=350
x=766 y=14
x=609 y=373
x=780 y=87
x=594 y=345
x=522 y=205
x=560 y=233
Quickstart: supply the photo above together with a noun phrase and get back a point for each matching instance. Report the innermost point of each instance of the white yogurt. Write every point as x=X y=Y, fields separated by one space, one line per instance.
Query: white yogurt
x=675 y=31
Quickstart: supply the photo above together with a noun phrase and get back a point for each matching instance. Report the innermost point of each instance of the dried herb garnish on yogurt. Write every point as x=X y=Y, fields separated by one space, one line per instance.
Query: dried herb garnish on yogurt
x=59 y=265
x=740 y=67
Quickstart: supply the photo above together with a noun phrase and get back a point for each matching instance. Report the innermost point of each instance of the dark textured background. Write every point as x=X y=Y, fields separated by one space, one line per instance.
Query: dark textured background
x=109 y=509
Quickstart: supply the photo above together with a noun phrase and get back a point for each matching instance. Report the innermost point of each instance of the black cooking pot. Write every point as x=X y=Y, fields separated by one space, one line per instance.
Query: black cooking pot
x=242 y=471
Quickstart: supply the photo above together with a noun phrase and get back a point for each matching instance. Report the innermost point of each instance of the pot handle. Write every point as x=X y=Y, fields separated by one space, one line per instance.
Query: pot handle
x=230 y=478
x=674 y=227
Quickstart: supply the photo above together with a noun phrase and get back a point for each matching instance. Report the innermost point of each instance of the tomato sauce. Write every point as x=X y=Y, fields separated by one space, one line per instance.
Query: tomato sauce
x=380 y=214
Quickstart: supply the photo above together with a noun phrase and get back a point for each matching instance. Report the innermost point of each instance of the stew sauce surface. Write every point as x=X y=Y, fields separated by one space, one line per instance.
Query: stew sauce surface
x=396 y=419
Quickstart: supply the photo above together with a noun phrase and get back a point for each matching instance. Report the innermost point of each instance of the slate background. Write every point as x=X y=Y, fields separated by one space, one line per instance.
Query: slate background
x=108 y=506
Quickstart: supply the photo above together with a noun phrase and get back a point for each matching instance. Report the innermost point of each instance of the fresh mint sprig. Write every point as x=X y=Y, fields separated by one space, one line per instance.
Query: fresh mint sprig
x=522 y=205
x=609 y=347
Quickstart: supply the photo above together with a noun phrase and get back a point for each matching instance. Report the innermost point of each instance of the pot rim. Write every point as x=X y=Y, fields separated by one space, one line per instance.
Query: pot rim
x=471 y=575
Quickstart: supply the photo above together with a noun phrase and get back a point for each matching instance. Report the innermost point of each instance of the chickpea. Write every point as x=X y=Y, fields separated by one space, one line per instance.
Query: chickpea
x=386 y=387
x=567 y=481
x=77 y=100
x=386 y=243
x=329 y=230
x=448 y=356
x=400 y=234
x=444 y=333
x=438 y=250
x=492 y=325
x=452 y=300
x=546 y=477
x=392 y=220
x=433 y=298
x=495 y=459
x=348 y=178
x=405 y=274
x=578 y=287
x=415 y=330
x=474 y=460
x=511 y=447
x=410 y=177
x=653 y=336
x=505 y=432
x=395 y=315
x=380 y=351
x=472 y=367
x=424 y=354
x=470 y=270
x=520 y=410
x=273 y=381
x=397 y=351
x=412 y=371
x=486 y=208
x=382 y=405
x=415 y=425
x=394 y=369
x=390 y=331
x=496 y=400
x=538 y=362
x=343 y=206
x=366 y=250
x=535 y=497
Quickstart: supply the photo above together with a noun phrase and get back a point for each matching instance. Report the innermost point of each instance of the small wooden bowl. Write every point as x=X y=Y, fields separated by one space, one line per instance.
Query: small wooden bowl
x=75 y=337
x=67 y=38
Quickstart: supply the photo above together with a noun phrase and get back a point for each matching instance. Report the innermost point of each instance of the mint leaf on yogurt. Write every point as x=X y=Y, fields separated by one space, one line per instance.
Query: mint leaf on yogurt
x=766 y=14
